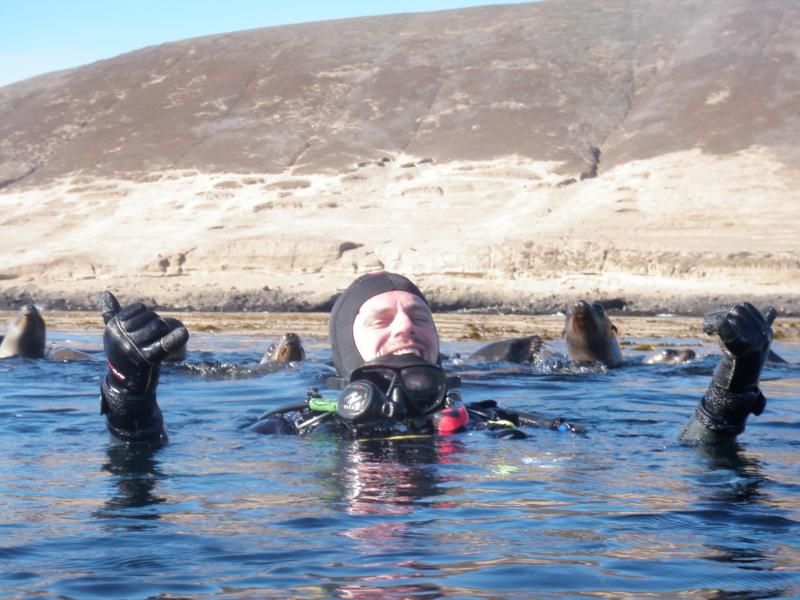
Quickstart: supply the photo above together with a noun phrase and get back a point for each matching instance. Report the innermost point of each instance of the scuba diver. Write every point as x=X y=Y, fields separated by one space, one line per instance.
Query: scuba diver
x=386 y=353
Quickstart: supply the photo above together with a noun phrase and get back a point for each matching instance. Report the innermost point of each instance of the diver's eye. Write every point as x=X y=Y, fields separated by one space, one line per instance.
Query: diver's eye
x=378 y=322
x=419 y=316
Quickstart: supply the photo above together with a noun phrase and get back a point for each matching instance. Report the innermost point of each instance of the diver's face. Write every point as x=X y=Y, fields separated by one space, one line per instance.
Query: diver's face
x=395 y=323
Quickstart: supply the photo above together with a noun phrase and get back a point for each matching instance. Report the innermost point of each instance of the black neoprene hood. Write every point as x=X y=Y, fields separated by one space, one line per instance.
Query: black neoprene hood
x=346 y=357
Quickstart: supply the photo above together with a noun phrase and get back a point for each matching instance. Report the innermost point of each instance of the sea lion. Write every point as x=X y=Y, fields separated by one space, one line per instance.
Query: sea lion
x=590 y=335
x=516 y=350
x=288 y=348
x=25 y=335
x=61 y=354
x=670 y=356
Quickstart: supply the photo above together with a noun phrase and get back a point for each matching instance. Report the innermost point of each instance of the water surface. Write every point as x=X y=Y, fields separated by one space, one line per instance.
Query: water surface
x=220 y=512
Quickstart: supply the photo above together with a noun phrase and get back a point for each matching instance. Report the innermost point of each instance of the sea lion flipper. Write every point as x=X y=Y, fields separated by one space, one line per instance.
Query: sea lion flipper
x=109 y=306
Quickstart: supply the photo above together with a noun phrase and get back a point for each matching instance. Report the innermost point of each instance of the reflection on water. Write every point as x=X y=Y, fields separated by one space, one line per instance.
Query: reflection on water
x=222 y=512
x=389 y=477
x=135 y=473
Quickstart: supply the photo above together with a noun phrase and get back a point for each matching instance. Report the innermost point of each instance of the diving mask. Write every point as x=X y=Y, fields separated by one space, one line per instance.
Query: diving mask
x=406 y=380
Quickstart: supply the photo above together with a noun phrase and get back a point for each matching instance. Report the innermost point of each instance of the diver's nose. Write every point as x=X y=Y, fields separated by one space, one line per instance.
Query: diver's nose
x=402 y=323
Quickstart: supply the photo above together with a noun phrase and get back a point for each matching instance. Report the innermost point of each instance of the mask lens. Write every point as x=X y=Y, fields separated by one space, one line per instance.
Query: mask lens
x=424 y=386
x=420 y=387
x=379 y=376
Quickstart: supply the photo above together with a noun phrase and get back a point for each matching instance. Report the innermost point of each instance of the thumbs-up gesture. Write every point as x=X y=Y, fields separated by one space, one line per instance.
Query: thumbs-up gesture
x=136 y=340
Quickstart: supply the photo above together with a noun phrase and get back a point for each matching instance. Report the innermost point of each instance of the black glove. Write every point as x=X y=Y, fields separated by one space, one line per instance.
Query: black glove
x=135 y=340
x=745 y=335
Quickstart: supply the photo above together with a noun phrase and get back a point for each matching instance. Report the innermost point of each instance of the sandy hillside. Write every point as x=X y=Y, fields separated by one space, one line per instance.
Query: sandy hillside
x=529 y=156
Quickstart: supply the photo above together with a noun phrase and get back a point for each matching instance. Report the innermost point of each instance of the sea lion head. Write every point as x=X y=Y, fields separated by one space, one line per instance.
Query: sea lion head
x=25 y=335
x=590 y=335
x=587 y=317
x=288 y=348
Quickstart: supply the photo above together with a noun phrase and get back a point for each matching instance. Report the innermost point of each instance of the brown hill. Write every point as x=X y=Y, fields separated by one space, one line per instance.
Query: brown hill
x=545 y=81
x=260 y=156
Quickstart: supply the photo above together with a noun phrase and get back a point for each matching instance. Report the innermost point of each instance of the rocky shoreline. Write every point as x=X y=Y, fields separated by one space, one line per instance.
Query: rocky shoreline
x=312 y=327
x=277 y=300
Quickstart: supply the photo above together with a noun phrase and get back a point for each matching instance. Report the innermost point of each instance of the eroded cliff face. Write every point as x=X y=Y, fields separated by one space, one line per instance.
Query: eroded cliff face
x=505 y=155
x=669 y=233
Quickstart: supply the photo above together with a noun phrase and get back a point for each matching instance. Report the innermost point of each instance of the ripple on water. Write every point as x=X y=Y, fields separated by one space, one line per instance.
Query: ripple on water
x=222 y=512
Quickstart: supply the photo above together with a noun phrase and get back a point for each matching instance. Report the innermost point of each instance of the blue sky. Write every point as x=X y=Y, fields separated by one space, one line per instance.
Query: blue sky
x=38 y=36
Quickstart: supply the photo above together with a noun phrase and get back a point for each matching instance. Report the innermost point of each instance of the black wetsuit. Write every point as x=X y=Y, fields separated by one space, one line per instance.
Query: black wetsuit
x=486 y=415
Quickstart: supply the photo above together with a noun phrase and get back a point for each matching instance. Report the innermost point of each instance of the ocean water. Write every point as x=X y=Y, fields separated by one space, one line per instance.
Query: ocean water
x=625 y=511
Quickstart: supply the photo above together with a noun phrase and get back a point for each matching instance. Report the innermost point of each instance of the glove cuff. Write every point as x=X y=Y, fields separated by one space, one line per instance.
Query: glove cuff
x=725 y=412
x=131 y=417
x=738 y=375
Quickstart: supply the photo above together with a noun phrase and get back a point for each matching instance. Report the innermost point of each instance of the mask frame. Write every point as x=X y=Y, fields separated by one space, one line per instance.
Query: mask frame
x=409 y=380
